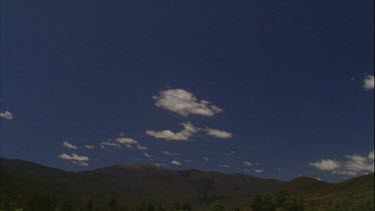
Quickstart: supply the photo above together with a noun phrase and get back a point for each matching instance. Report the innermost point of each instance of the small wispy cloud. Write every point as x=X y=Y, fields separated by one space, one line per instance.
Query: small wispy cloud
x=6 y=115
x=225 y=166
x=141 y=147
x=160 y=164
x=176 y=163
x=247 y=163
x=231 y=152
x=218 y=133
x=368 y=83
x=69 y=145
x=75 y=159
x=89 y=146
x=184 y=103
x=123 y=140
x=147 y=155
x=170 y=153
x=353 y=165
x=259 y=170
x=206 y=159
x=183 y=135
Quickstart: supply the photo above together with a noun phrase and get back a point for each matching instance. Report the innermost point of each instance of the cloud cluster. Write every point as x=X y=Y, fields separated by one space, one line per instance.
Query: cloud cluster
x=75 y=159
x=69 y=145
x=184 y=103
x=187 y=132
x=368 y=83
x=353 y=165
x=122 y=141
x=183 y=135
x=247 y=163
x=170 y=153
x=6 y=115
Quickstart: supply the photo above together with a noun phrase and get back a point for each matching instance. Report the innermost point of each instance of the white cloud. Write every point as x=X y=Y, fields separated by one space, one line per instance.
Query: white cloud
x=160 y=164
x=371 y=155
x=6 y=115
x=75 y=159
x=183 y=135
x=120 y=141
x=247 y=163
x=176 y=163
x=147 y=155
x=170 y=153
x=69 y=145
x=353 y=165
x=89 y=146
x=109 y=143
x=206 y=159
x=368 y=83
x=123 y=140
x=141 y=147
x=80 y=163
x=326 y=165
x=225 y=166
x=259 y=170
x=184 y=103
x=218 y=133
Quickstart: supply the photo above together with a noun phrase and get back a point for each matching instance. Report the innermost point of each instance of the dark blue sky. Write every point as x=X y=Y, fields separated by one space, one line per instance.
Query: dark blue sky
x=288 y=76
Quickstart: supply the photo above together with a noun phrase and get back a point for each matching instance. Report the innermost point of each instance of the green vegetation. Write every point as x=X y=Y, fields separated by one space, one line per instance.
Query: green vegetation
x=281 y=200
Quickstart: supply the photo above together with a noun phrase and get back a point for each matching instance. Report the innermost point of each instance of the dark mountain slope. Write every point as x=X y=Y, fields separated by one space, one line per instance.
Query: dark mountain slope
x=131 y=184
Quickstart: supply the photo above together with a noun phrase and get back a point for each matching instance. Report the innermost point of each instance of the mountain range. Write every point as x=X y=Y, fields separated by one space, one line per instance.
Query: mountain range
x=130 y=185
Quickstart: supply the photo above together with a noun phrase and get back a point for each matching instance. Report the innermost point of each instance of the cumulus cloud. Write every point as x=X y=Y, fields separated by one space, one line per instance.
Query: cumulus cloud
x=69 y=145
x=368 y=83
x=218 y=133
x=170 y=153
x=75 y=159
x=353 y=165
x=247 y=163
x=89 y=146
x=184 y=103
x=6 y=115
x=326 y=165
x=176 y=163
x=259 y=170
x=183 y=135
